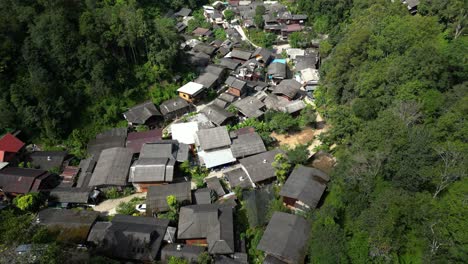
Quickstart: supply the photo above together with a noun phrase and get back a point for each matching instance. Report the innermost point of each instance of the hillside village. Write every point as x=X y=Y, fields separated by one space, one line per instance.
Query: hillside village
x=187 y=178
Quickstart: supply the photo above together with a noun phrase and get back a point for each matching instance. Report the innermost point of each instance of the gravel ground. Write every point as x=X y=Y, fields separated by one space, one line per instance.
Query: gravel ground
x=108 y=207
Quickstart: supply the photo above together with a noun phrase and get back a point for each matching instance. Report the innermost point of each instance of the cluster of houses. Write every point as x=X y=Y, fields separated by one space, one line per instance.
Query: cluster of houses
x=193 y=130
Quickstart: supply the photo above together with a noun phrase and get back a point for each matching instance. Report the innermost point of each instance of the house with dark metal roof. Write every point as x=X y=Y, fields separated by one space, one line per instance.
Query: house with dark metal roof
x=204 y=196
x=129 y=237
x=47 y=160
x=86 y=168
x=286 y=238
x=220 y=259
x=21 y=180
x=156 y=198
x=236 y=87
x=262 y=55
x=157 y=163
x=208 y=80
x=238 y=178
x=74 y=225
x=240 y=55
x=277 y=71
x=198 y=59
x=304 y=188
x=174 y=108
x=217 y=70
x=187 y=252
x=229 y=63
x=142 y=114
x=213 y=146
x=247 y=145
x=183 y=12
x=70 y=195
x=213 y=138
x=180 y=26
x=10 y=145
x=108 y=139
x=259 y=167
x=306 y=62
x=205 y=48
x=202 y=32
x=227 y=97
x=217 y=115
x=135 y=140
x=112 y=168
x=210 y=225
x=214 y=184
x=288 y=88
x=250 y=107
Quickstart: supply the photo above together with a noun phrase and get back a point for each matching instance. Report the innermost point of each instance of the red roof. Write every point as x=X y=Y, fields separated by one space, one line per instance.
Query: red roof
x=292 y=28
x=135 y=140
x=10 y=143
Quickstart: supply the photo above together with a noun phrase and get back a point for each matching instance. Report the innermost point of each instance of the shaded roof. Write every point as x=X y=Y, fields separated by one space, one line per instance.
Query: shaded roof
x=21 y=180
x=70 y=195
x=10 y=143
x=173 y=105
x=238 y=177
x=207 y=79
x=227 y=97
x=156 y=198
x=112 y=167
x=184 y=132
x=229 y=63
x=241 y=54
x=247 y=144
x=236 y=83
x=86 y=169
x=216 y=114
x=210 y=221
x=140 y=113
x=214 y=158
x=205 y=48
x=191 y=88
x=203 y=196
x=305 y=62
x=286 y=237
x=135 y=140
x=306 y=185
x=198 y=58
x=264 y=54
x=215 y=69
x=95 y=146
x=277 y=70
x=288 y=88
x=213 y=138
x=257 y=202
x=67 y=217
x=250 y=106
x=130 y=237
x=259 y=167
x=152 y=170
x=183 y=12
x=47 y=160
x=201 y=32
x=113 y=132
x=214 y=184
x=292 y=107
x=187 y=252
x=220 y=103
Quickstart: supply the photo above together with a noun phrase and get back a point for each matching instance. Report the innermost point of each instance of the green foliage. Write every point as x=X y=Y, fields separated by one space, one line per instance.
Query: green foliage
x=173 y=204
x=261 y=38
x=102 y=260
x=220 y=34
x=280 y=122
x=307 y=117
x=128 y=208
x=174 y=260
x=204 y=258
x=229 y=15
x=282 y=167
x=14 y=227
x=197 y=173
x=302 y=39
x=298 y=155
x=276 y=205
x=28 y=202
x=114 y=193
x=197 y=21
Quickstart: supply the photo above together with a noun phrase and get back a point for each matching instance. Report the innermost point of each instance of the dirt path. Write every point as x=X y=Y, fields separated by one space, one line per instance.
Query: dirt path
x=109 y=206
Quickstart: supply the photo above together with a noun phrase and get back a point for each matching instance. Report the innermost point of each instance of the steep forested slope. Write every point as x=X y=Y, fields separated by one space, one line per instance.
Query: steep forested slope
x=76 y=65
x=394 y=89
